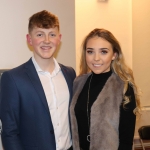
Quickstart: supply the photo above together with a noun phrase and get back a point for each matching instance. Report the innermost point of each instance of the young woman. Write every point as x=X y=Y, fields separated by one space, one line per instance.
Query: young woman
x=105 y=96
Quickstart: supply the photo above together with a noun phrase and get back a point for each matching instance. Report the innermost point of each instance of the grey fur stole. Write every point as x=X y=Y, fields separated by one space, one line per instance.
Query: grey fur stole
x=105 y=114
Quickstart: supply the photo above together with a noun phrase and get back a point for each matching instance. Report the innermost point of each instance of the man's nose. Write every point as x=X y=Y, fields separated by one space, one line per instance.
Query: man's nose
x=47 y=39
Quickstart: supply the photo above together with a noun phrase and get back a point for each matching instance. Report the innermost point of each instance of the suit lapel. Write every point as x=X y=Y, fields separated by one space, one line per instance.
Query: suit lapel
x=34 y=78
x=68 y=80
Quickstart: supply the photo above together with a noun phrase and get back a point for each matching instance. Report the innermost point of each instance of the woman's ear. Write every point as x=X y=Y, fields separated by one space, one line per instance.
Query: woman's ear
x=114 y=56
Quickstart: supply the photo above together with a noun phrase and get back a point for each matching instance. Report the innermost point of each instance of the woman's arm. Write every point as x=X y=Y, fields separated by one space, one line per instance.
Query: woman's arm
x=127 y=122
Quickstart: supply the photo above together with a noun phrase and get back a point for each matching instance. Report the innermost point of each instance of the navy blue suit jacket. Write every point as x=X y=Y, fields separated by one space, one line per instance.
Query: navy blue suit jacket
x=24 y=112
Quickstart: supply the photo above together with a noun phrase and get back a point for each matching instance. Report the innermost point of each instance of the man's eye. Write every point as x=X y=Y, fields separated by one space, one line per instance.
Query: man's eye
x=39 y=34
x=53 y=34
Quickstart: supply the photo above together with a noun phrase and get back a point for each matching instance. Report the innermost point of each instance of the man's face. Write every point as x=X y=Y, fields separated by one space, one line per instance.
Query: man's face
x=44 y=42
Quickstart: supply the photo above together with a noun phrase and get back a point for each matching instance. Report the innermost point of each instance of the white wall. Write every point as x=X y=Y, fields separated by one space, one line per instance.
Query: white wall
x=141 y=47
x=142 y=119
x=113 y=15
x=14 y=17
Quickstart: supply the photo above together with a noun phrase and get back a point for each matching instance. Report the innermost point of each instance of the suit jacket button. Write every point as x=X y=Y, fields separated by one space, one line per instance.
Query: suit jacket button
x=51 y=131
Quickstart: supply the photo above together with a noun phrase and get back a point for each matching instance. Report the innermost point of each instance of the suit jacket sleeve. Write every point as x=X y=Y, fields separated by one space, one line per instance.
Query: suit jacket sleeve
x=10 y=113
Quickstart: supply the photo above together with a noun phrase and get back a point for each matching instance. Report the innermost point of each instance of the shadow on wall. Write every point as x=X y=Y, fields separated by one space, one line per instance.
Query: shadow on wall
x=1 y=148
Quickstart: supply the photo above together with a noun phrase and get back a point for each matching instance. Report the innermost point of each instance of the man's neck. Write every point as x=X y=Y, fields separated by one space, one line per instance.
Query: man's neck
x=46 y=64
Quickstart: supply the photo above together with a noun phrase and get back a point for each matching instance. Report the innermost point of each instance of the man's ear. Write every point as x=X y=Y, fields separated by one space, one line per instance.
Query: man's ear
x=28 y=36
x=60 y=35
x=59 y=39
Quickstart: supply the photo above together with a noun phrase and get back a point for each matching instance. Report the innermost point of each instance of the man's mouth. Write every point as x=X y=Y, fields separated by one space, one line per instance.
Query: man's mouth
x=46 y=47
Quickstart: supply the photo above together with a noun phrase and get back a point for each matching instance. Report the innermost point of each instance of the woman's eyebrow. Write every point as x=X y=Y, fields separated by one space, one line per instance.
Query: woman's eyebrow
x=89 y=48
x=104 y=48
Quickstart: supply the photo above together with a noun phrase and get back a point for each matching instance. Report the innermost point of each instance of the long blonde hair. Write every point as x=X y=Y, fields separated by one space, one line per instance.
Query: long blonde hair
x=118 y=65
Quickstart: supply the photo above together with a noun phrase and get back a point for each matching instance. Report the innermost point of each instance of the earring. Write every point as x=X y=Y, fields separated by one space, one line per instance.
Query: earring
x=113 y=58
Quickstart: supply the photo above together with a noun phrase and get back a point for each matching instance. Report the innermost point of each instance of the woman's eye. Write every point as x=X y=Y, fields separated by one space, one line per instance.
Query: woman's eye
x=104 y=52
x=89 y=52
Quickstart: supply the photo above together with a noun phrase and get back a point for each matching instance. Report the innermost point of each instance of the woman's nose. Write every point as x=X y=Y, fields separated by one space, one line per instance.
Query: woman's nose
x=97 y=57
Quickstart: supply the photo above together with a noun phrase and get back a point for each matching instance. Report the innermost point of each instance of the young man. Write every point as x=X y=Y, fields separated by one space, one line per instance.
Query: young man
x=35 y=96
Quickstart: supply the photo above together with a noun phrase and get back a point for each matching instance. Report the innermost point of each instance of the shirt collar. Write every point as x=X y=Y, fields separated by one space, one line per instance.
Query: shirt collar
x=38 y=69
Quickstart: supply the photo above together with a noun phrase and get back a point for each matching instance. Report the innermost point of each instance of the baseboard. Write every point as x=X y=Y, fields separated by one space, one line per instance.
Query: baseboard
x=137 y=143
x=145 y=108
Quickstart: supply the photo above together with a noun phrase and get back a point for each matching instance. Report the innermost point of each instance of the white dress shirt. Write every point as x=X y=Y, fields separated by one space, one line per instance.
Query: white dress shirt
x=57 y=95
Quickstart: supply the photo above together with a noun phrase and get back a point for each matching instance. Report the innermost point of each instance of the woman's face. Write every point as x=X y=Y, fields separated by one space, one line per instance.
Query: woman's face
x=99 y=54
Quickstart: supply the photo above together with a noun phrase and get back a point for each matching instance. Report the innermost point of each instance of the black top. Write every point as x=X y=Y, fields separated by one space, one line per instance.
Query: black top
x=127 y=118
